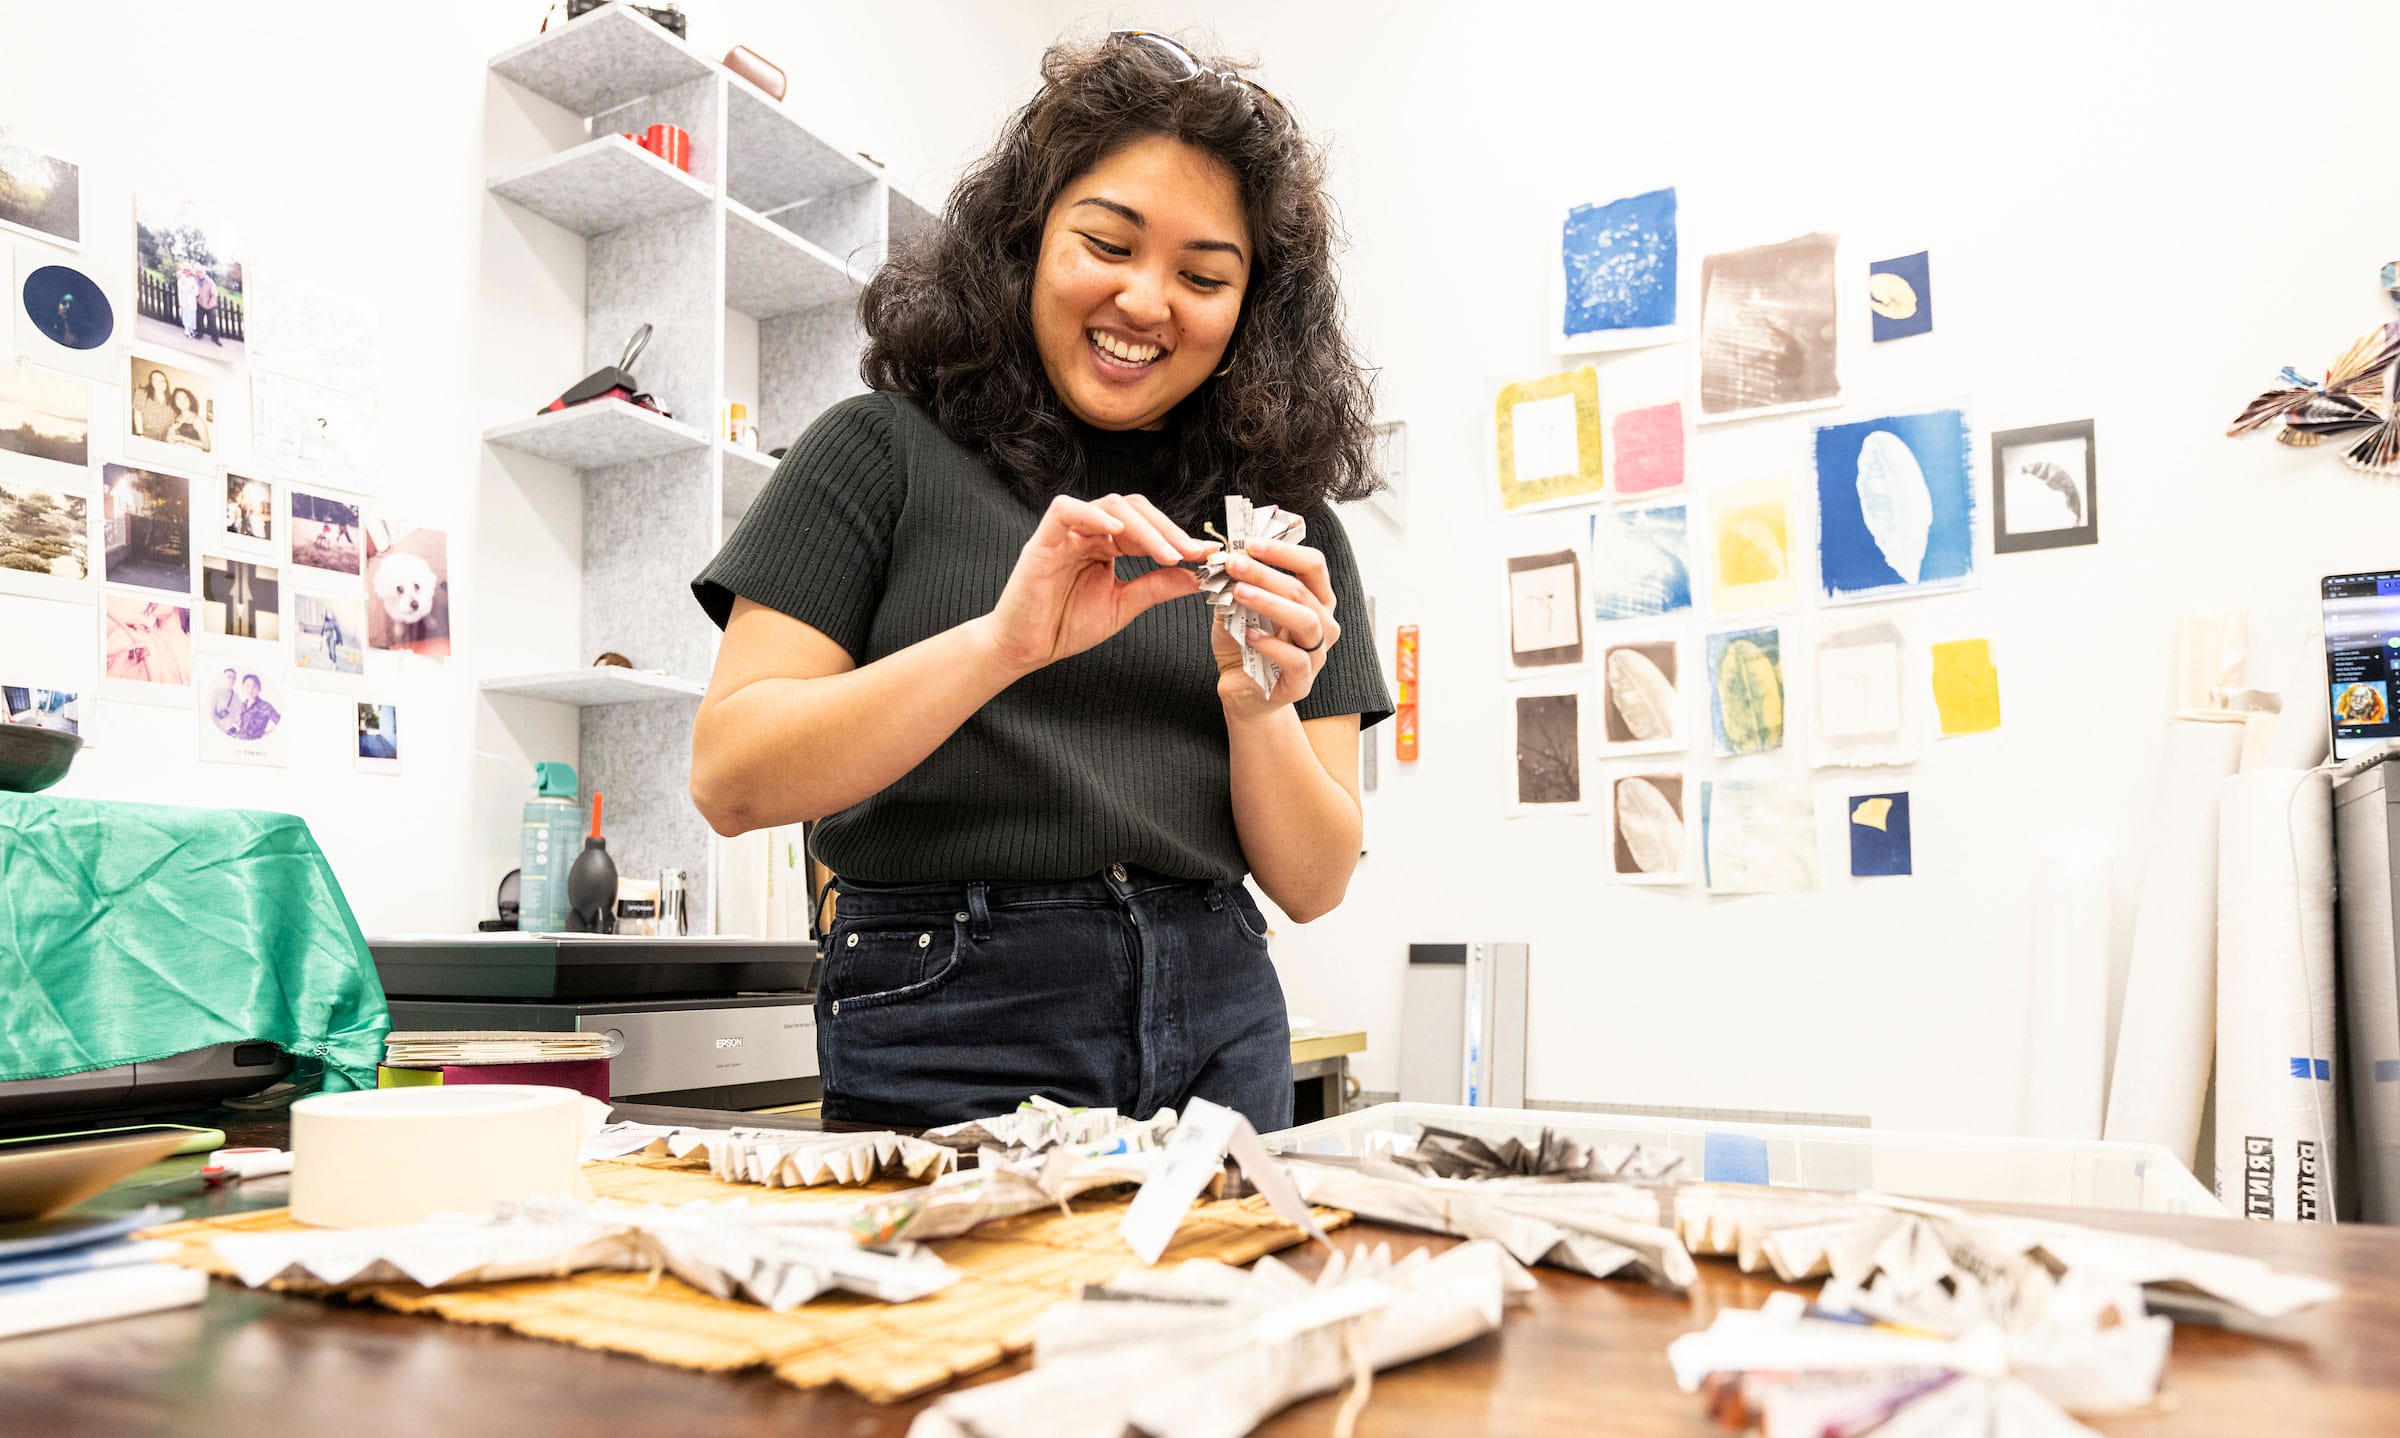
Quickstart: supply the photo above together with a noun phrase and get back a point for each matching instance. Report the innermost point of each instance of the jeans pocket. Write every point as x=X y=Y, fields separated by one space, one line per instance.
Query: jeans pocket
x=873 y=967
x=1246 y=915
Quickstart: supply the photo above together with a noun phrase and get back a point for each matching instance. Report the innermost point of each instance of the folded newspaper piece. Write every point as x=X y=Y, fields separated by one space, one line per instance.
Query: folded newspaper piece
x=1853 y=1238
x=1194 y=1159
x=1040 y=1123
x=797 y=1158
x=1601 y=1229
x=1245 y=522
x=778 y=1255
x=1445 y=1153
x=1203 y=1350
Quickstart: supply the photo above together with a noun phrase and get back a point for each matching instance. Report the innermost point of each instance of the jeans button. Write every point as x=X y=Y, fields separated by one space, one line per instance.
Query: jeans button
x=1117 y=872
x=960 y=916
x=837 y=1006
x=851 y=942
x=924 y=941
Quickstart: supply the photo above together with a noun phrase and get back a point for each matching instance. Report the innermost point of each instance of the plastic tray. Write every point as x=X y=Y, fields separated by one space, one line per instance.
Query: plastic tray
x=2070 y=1174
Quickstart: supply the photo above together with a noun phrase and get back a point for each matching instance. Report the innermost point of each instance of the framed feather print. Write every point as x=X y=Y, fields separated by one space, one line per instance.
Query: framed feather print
x=2045 y=488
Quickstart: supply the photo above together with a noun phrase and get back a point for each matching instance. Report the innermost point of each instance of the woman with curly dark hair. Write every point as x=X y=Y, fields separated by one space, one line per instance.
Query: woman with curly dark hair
x=960 y=632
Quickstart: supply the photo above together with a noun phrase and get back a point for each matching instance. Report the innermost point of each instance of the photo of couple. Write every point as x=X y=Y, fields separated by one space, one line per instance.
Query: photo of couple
x=241 y=715
x=187 y=279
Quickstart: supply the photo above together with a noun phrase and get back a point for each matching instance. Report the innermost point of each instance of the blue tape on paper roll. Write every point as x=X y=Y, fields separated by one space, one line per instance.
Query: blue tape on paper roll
x=2387 y=1070
x=2324 y=1069
x=1734 y=1158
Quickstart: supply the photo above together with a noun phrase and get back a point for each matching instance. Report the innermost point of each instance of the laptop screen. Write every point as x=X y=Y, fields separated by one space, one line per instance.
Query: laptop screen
x=2362 y=651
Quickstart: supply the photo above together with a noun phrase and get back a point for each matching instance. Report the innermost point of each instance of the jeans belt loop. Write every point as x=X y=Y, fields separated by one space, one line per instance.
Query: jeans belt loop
x=1216 y=895
x=979 y=910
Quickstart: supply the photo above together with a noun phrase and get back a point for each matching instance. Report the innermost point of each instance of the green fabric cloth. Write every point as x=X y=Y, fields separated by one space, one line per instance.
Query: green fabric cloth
x=130 y=932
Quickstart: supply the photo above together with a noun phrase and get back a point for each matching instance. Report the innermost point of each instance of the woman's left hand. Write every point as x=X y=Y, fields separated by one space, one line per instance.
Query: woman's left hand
x=1288 y=586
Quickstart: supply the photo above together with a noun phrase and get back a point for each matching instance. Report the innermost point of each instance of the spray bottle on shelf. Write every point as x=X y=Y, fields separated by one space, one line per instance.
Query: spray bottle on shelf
x=592 y=884
x=545 y=847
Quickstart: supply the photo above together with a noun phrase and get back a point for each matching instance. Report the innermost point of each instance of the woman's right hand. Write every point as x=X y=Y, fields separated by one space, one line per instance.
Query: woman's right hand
x=1064 y=596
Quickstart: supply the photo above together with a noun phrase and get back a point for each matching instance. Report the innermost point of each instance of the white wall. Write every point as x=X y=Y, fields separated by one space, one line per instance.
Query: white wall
x=353 y=143
x=2129 y=221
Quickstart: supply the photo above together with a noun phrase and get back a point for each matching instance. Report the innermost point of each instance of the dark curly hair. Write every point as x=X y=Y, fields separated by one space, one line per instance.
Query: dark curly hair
x=949 y=323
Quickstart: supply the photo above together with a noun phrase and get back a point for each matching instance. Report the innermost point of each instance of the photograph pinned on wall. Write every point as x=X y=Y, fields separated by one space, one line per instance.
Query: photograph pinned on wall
x=188 y=277
x=1391 y=467
x=1545 y=612
x=1750 y=545
x=1641 y=562
x=1767 y=329
x=408 y=587
x=378 y=743
x=1758 y=836
x=46 y=419
x=329 y=636
x=1547 y=775
x=1746 y=698
x=250 y=522
x=1645 y=450
x=172 y=411
x=1895 y=506
x=326 y=533
x=1649 y=842
x=240 y=600
x=1861 y=698
x=2045 y=488
x=45 y=540
x=1617 y=262
x=146 y=528
x=241 y=707
x=35 y=708
x=1642 y=705
x=1900 y=296
x=40 y=194
x=1548 y=441
x=1879 y=839
x=1966 y=687
x=145 y=649
x=298 y=421
x=63 y=316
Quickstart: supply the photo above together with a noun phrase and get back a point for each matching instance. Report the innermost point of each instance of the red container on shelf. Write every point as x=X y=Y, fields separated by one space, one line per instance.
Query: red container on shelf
x=670 y=143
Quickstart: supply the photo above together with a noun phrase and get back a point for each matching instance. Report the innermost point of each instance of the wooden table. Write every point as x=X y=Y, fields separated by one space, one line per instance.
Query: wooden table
x=1585 y=1357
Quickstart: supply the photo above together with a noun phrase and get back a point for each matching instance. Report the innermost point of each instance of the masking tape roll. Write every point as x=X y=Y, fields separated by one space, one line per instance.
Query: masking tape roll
x=380 y=1157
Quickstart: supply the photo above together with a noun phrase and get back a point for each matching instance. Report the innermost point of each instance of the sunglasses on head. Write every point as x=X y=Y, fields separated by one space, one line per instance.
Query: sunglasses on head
x=1260 y=95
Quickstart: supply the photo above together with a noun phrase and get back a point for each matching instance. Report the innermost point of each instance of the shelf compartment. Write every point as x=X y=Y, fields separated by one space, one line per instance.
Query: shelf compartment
x=599 y=186
x=600 y=684
x=771 y=159
x=595 y=435
x=601 y=61
x=770 y=272
x=746 y=474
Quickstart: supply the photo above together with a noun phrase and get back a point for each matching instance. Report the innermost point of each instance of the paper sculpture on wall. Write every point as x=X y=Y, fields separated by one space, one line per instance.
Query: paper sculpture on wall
x=1618 y=262
x=1758 y=836
x=1767 y=329
x=1549 y=440
x=2355 y=402
x=1895 y=506
x=1862 y=698
x=1900 y=296
x=1545 y=610
x=2045 y=488
x=1646 y=450
x=1641 y=562
x=1750 y=540
x=1879 y=842
x=1549 y=753
x=1966 y=687
x=1745 y=676
x=1642 y=706
x=1649 y=840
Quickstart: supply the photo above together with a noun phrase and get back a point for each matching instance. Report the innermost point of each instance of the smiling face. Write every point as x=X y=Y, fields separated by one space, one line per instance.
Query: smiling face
x=1144 y=261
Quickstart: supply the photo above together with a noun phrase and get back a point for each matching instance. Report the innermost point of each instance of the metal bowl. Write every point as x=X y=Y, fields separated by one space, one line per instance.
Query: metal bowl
x=33 y=759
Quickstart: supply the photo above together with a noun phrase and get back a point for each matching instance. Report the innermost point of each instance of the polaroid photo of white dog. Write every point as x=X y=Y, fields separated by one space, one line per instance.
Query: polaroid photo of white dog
x=408 y=587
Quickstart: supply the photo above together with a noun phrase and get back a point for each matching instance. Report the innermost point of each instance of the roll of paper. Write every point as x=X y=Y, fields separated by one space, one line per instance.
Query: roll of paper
x=2303 y=730
x=2275 y=1002
x=2166 y=1036
x=391 y=1156
x=2066 y=1003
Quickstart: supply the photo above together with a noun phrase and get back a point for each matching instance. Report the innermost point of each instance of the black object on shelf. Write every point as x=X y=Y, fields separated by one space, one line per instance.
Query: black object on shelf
x=551 y=966
x=610 y=381
x=510 y=908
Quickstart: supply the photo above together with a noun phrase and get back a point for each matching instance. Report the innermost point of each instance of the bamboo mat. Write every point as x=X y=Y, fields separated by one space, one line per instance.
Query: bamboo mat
x=1010 y=1271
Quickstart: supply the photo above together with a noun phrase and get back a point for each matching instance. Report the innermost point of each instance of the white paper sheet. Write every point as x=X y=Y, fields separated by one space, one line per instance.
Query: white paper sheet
x=1545 y=441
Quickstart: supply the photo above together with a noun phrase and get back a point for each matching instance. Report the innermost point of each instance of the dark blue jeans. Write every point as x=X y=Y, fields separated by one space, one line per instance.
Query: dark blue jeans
x=1131 y=990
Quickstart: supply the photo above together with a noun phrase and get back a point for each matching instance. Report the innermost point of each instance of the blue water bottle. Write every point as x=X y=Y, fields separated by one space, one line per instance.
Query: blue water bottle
x=551 y=837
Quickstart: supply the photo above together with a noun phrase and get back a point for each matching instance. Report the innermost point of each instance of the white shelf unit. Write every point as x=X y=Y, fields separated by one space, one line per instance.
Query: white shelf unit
x=775 y=222
x=600 y=684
